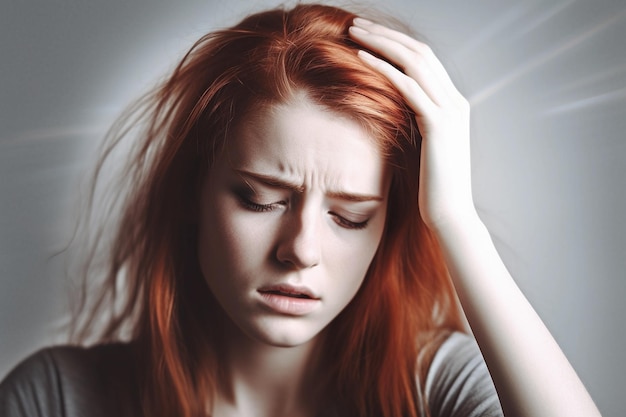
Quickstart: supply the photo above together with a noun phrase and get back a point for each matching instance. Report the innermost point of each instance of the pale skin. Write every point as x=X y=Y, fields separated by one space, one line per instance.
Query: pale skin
x=531 y=374
x=289 y=205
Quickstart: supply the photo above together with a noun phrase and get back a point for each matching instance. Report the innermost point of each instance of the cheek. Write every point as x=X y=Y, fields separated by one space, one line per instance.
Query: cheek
x=352 y=261
x=230 y=243
x=364 y=251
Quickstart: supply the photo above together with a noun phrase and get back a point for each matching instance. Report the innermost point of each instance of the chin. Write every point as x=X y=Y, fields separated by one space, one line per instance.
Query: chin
x=285 y=335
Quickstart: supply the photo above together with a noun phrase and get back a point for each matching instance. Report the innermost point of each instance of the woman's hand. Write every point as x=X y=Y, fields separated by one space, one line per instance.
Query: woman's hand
x=531 y=374
x=442 y=115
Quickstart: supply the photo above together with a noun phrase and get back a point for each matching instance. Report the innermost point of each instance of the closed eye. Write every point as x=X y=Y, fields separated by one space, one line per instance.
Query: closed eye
x=251 y=205
x=348 y=224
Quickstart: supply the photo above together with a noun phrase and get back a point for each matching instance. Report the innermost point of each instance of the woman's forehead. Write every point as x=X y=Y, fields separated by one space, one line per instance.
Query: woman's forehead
x=303 y=142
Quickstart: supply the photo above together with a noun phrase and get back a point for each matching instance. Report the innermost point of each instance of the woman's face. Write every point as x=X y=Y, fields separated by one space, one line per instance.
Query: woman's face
x=291 y=216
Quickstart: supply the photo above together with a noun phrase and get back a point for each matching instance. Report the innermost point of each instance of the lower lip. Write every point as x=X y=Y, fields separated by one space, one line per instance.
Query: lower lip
x=289 y=305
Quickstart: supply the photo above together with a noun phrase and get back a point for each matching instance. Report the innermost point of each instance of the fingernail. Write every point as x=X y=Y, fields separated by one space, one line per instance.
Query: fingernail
x=366 y=55
x=361 y=21
x=358 y=30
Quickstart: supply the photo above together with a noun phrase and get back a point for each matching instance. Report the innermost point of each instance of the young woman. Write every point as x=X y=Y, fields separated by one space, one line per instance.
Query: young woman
x=299 y=226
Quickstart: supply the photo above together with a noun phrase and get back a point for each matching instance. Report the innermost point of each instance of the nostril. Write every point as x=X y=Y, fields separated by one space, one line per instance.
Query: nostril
x=299 y=246
x=295 y=261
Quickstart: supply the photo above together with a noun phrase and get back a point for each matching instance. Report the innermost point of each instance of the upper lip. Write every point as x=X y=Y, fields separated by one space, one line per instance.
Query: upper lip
x=295 y=290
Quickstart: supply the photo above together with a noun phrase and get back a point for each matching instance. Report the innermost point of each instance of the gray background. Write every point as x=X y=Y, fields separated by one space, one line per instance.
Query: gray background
x=547 y=81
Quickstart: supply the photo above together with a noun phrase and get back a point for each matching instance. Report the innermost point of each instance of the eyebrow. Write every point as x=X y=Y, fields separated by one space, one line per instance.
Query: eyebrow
x=276 y=182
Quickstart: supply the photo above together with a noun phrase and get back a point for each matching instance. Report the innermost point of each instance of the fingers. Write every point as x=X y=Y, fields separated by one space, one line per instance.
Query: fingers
x=407 y=41
x=415 y=58
x=399 y=37
x=414 y=94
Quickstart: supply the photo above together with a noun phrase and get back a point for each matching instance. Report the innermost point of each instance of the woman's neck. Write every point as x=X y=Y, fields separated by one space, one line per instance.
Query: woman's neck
x=264 y=380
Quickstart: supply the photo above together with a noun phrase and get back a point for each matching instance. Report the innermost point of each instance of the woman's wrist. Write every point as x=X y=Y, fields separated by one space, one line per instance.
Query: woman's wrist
x=452 y=224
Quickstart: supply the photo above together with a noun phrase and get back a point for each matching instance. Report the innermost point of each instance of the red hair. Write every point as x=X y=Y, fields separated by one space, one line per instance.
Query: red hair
x=371 y=349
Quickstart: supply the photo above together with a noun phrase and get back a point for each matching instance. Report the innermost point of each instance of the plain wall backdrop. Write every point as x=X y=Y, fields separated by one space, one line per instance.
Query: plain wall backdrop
x=547 y=84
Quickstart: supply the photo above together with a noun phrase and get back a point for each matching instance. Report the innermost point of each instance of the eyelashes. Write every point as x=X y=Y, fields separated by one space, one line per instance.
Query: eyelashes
x=348 y=224
x=245 y=197
x=261 y=208
x=247 y=203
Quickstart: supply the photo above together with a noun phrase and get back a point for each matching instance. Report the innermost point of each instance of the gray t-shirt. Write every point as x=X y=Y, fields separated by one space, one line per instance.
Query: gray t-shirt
x=70 y=381
x=458 y=383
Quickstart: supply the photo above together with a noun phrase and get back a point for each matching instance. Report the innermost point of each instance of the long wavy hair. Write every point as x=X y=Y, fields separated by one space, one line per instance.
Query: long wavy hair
x=377 y=351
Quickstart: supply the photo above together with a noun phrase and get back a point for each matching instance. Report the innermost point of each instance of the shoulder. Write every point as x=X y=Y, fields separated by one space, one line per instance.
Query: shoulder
x=32 y=387
x=70 y=381
x=458 y=381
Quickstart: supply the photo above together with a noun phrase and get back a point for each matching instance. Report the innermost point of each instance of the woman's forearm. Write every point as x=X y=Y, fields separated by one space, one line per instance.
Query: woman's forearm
x=530 y=372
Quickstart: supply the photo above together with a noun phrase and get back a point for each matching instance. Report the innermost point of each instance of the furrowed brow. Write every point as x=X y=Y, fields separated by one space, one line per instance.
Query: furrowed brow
x=273 y=181
x=357 y=198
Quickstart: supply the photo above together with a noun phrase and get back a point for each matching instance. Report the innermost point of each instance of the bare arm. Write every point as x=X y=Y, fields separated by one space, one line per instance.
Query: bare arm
x=532 y=376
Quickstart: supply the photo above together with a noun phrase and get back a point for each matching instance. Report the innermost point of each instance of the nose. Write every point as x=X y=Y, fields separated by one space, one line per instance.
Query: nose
x=300 y=242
